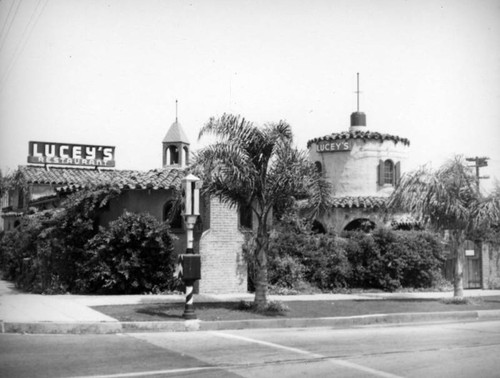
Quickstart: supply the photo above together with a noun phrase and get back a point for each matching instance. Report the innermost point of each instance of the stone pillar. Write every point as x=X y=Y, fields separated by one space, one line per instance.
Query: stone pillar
x=223 y=269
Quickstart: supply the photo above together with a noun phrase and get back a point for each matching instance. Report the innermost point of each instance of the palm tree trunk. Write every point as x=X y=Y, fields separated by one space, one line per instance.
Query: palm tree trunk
x=262 y=243
x=458 y=281
x=261 y=281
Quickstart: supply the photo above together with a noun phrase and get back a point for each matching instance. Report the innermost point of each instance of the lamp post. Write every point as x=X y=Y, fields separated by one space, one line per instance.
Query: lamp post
x=190 y=263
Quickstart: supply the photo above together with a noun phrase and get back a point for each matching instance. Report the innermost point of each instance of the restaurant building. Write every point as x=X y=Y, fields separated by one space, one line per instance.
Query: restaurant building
x=58 y=169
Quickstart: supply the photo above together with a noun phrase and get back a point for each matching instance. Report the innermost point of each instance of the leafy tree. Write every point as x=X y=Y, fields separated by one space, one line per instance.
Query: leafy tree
x=257 y=167
x=448 y=200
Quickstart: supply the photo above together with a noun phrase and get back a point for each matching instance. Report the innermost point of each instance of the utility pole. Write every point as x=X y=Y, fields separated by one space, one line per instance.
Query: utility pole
x=479 y=162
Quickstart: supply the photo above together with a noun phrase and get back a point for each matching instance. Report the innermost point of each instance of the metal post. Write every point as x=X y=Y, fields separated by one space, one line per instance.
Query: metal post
x=191 y=212
x=189 y=309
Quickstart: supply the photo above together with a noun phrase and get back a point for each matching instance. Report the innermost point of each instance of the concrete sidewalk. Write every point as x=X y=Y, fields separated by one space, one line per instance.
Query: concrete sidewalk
x=34 y=313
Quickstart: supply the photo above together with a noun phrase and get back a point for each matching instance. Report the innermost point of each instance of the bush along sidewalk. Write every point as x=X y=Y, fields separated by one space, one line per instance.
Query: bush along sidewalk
x=64 y=250
x=300 y=260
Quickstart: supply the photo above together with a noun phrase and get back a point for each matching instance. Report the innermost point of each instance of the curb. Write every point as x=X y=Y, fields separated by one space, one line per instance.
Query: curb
x=62 y=327
x=199 y=325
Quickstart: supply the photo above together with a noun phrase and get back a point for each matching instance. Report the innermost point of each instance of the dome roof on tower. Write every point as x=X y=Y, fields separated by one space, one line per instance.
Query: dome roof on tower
x=176 y=134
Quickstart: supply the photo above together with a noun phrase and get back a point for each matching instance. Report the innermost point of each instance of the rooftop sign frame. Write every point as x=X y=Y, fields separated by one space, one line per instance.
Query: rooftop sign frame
x=71 y=154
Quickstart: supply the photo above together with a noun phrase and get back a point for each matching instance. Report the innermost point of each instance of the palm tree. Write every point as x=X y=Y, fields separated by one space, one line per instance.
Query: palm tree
x=257 y=167
x=448 y=200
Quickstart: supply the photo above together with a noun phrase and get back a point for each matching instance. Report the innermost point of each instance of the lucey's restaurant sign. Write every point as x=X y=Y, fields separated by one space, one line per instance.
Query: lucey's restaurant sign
x=71 y=154
x=334 y=145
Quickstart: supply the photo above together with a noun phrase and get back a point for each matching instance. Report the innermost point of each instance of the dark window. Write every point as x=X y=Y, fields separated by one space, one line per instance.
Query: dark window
x=362 y=224
x=172 y=155
x=319 y=167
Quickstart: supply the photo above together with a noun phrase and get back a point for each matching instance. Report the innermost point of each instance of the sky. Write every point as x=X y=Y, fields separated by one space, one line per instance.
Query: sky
x=108 y=72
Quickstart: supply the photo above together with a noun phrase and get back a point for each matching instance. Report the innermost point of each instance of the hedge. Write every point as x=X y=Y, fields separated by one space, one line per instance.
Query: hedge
x=385 y=259
x=64 y=250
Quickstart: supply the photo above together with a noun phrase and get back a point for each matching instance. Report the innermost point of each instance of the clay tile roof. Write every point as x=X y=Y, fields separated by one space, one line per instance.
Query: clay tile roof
x=365 y=135
x=68 y=179
x=364 y=202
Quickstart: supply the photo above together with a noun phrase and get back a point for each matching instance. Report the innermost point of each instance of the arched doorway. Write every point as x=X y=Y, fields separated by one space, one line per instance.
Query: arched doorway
x=318 y=228
x=360 y=224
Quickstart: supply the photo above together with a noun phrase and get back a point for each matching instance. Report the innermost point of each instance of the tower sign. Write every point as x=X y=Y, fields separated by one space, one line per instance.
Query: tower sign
x=334 y=145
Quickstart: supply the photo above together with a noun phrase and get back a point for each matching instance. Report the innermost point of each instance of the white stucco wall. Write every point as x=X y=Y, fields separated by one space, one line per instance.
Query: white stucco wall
x=355 y=172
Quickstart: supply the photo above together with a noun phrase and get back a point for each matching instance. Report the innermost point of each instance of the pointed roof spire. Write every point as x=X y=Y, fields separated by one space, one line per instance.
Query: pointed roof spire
x=176 y=133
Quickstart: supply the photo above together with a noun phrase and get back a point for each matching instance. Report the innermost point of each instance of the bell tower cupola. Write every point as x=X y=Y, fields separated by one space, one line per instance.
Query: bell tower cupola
x=175 y=145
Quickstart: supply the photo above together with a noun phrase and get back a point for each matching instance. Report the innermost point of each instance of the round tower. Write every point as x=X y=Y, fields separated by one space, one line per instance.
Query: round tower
x=359 y=162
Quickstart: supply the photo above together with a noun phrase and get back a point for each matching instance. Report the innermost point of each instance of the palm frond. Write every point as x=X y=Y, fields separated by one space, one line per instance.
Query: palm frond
x=447 y=198
x=229 y=128
x=487 y=212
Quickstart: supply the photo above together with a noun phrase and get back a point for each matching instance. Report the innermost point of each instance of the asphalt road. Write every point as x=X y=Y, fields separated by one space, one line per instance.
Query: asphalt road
x=441 y=350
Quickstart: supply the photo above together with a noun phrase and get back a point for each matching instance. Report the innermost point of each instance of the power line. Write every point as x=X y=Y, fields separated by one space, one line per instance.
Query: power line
x=4 y=36
x=28 y=30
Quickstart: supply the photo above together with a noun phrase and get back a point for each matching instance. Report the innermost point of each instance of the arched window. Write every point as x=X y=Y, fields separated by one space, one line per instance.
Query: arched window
x=388 y=172
x=172 y=214
x=172 y=155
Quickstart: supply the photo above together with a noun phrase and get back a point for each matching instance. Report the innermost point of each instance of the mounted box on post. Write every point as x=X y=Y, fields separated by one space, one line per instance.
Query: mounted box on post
x=191 y=267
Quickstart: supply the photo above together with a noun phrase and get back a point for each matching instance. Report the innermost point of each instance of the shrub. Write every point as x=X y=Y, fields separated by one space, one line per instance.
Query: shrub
x=389 y=260
x=475 y=301
x=286 y=268
x=134 y=255
x=384 y=259
x=25 y=259
x=49 y=251
x=45 y=253
x=297 y=256
x=285 y=271
x=272 y=308
x=326 y=262
x=364 y=257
